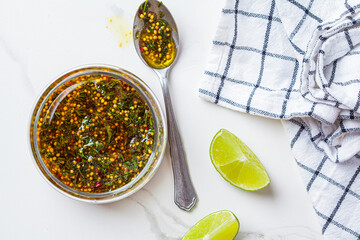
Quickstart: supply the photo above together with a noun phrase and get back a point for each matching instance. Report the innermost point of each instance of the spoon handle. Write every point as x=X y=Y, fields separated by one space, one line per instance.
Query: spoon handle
x=185 y=196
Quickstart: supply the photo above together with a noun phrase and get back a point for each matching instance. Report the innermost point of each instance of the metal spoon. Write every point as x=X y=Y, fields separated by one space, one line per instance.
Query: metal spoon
x=185 y=196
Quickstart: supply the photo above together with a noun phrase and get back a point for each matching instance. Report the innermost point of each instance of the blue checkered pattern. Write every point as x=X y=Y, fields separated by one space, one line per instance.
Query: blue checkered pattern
x=299 y=60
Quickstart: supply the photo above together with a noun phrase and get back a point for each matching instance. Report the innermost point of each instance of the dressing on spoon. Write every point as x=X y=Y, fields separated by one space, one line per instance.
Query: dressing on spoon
x=155 y=38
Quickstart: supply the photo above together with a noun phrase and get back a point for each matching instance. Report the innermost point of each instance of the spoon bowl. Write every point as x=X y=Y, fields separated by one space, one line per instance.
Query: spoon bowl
x=185 y=197
x=157 y=8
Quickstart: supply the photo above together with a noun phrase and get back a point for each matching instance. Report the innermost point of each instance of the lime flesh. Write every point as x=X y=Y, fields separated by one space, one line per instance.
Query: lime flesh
x=236 y=163
x=221 y=225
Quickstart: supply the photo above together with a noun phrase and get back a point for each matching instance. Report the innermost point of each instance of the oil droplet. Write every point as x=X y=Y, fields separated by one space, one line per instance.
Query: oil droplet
x=121 y=29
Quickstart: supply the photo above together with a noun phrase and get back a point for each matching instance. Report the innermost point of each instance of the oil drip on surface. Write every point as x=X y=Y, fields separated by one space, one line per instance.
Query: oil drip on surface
x=120 y=27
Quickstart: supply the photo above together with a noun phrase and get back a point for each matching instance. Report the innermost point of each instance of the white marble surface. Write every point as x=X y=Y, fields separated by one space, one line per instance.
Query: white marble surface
x=40 y=39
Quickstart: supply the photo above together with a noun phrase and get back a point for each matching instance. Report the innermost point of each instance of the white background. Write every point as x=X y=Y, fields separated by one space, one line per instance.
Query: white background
x=41 y=39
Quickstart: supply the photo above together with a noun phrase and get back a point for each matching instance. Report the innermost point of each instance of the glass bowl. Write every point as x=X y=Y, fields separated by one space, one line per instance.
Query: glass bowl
x=159 y=143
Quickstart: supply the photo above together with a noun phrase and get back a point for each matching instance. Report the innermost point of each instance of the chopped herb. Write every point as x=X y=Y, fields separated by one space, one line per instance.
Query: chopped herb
x=145 y=6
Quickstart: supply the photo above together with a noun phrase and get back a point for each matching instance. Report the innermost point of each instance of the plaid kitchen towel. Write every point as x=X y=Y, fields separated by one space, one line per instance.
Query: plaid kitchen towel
x=299 y=60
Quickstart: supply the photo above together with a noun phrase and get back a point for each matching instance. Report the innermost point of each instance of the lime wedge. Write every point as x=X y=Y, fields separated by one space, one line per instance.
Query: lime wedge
x=221 y=225
x=236 y=163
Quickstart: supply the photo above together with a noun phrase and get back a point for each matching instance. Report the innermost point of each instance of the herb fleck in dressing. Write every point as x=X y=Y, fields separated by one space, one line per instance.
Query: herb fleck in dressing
x=95 y=133
x=156 y=43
